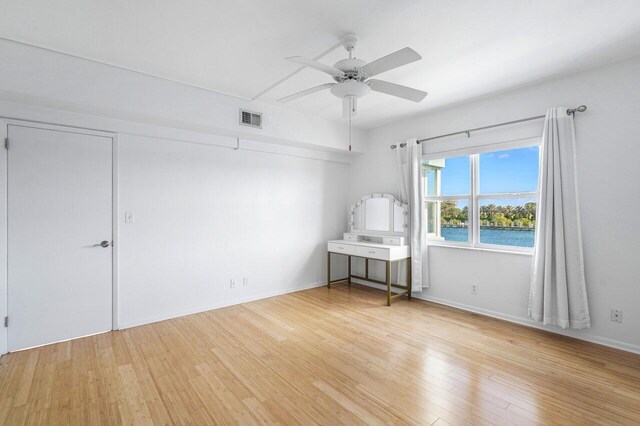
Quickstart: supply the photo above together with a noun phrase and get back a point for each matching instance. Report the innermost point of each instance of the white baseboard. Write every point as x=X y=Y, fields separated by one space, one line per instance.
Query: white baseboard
x=616 y=344
x=223 y=304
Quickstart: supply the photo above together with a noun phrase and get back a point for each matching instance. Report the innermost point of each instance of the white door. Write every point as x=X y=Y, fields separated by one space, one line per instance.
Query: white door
x=59 y=212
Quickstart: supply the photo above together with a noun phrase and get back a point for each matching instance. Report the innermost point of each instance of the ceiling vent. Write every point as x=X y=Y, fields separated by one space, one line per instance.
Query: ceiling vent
x=251 y=119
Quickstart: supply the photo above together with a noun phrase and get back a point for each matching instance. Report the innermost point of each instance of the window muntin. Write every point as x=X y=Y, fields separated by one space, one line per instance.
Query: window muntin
x=490 y=199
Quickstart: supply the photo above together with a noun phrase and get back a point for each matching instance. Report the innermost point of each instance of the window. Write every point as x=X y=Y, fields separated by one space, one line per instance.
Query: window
x=448 y=196
x=483 y=200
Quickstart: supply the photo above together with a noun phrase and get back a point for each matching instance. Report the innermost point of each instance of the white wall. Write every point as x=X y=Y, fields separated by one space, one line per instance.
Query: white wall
x=608 y=145
x=205 y=215
x=204 y=212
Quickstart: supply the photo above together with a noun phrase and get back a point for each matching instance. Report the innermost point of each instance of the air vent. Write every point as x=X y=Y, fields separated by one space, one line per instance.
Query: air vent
x=252 y=119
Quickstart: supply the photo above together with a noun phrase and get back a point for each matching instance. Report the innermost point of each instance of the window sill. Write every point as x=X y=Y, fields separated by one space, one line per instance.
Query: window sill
x=491 y=250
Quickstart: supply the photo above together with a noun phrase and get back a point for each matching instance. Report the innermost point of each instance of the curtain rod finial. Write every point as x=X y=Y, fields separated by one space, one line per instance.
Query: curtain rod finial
x=581 y=108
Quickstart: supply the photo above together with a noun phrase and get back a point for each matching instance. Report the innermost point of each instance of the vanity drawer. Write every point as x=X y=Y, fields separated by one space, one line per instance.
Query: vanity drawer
x=372 y=252
x=350 y=237
x=342 y=248
x=393 y=241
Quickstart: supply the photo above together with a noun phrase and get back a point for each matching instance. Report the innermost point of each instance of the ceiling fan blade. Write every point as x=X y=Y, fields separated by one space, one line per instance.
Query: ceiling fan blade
x=335 y=72
x=393 y=60
x=393 y=89
x=349 y=105
x=306 y=92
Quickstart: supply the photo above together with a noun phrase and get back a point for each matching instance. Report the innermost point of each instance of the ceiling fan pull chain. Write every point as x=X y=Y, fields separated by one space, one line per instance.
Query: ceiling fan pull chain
x=350 y=110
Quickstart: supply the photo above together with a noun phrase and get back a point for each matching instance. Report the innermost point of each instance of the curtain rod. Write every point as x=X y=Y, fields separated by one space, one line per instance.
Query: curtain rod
x=570 y=111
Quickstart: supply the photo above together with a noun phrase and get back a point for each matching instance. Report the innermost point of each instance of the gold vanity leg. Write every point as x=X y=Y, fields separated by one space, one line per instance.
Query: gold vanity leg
x=366 y=268
x=349 y=268
x=409 y=277
x=388 y=271
x=328 y=269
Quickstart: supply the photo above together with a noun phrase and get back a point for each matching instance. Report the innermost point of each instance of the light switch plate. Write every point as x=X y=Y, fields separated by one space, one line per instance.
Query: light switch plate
x=128 y=217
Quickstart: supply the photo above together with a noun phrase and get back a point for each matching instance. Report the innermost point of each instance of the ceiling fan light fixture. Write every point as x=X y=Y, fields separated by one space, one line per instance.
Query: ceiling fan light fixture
x=351 y=88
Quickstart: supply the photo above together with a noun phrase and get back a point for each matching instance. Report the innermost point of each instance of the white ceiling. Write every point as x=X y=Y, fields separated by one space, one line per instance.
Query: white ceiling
x=470 y=48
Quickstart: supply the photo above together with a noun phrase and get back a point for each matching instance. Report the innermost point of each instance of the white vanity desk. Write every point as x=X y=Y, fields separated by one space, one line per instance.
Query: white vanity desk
x=378 y=224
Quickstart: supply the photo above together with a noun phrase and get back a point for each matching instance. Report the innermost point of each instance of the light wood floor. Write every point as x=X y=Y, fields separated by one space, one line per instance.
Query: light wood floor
x=320 y=357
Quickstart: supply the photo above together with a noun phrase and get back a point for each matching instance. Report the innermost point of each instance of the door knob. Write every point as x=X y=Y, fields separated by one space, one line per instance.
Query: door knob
x=105 y=244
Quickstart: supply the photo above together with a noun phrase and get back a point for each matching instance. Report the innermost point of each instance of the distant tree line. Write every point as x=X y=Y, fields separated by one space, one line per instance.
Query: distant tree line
x=524 y=215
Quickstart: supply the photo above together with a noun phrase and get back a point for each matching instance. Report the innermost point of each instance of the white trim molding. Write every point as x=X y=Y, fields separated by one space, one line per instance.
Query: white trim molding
x=4 y=335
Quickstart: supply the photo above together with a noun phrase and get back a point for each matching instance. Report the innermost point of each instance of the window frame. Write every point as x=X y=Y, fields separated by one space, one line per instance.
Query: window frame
x=475 y=197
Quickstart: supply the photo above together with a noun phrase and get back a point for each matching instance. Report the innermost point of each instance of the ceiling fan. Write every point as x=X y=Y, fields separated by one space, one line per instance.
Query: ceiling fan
x=352 y=77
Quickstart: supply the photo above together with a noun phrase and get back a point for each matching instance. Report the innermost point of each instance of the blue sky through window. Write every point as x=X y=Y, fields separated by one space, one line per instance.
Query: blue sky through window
x=514 y=170
x=455 y=176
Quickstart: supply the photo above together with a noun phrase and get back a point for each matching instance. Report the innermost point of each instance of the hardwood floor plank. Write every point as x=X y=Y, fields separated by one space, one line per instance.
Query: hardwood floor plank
x=323 y=357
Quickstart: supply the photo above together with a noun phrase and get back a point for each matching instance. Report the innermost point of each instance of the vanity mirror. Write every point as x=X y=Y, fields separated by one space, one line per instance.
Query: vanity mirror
x=378 y=214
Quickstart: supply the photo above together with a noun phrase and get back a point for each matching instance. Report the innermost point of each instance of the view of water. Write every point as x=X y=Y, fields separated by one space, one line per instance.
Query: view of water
x=505 y=237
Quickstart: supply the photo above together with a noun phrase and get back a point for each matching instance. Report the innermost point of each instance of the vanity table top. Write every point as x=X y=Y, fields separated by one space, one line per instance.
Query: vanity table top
x=365 y=244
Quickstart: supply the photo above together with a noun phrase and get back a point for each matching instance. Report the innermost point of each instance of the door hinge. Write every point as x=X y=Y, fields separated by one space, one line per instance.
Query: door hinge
x=6 y=143
x=6 y=321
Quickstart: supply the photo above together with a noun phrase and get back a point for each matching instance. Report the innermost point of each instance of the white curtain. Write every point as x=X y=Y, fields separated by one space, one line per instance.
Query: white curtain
x=411 y=184
x=558 y=293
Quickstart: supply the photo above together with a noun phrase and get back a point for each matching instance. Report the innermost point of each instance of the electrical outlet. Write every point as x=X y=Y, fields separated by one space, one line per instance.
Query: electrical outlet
x=232 y=283
x=616 y=315
x=474 y=288
x=245 y=281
